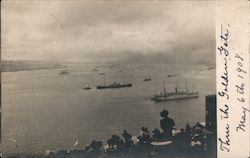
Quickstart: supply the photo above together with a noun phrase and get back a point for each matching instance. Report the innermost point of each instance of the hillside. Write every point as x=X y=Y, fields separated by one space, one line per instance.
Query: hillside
x=26 y=65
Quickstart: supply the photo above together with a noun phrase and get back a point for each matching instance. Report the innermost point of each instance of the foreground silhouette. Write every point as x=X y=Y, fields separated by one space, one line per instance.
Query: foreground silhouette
x=190 y=142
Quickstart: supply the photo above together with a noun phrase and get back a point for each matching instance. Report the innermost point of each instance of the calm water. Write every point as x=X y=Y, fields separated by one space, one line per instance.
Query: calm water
x=44 y=110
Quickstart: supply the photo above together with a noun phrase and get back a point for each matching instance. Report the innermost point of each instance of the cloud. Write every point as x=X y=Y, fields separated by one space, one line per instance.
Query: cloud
x=84 y=30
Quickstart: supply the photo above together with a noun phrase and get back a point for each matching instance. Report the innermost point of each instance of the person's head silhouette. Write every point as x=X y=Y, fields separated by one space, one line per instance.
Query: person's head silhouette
x=164 y=113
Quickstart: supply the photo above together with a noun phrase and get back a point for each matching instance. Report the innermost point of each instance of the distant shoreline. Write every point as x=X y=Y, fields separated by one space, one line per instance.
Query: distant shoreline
x=32 y=69
x=22 y=65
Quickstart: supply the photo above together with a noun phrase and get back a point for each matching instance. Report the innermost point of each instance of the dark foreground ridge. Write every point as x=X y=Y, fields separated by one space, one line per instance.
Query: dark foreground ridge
x=198 y=141
x=189 y=143
x=193 y=142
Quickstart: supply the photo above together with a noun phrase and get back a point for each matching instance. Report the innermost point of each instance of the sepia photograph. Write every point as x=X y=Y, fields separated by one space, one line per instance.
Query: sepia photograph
x=108 y=79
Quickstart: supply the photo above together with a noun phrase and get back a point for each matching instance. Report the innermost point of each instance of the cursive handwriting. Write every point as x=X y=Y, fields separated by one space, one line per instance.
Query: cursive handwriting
x=240 y=89
x=224 y=114
x=224 y=82
x=224 y=39
x=242 y=125
x=224 y=53
x=224 y=144
x=223 y=50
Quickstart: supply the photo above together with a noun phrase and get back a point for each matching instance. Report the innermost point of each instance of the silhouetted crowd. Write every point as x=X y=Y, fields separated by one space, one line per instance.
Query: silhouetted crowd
x=191 y=142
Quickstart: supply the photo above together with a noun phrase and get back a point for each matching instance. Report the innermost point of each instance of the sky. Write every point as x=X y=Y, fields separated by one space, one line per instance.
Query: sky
x=98 y=31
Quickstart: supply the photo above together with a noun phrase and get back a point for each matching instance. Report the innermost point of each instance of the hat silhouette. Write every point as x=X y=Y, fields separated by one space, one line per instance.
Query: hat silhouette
x=164 y=113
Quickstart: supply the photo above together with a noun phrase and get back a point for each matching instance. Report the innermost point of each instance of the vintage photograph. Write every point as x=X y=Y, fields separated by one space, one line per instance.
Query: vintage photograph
x=108 y=79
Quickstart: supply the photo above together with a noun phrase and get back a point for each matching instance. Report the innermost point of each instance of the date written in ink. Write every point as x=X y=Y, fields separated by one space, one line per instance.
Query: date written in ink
x=240 y=89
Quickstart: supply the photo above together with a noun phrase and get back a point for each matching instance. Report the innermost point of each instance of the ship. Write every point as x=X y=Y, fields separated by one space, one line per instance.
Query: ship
x=177 y=95
x=114 y=85
x=173 y=75
x=102 y=73
x=147 y=79
x=87 y=87
x=64 y=72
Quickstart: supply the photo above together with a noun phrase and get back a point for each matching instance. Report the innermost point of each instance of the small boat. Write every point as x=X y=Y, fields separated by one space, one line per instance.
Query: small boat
x=177 y=95
x=210 y=68
x=115 y=85
x=102 y=73
x=147 y=79
x=64 y=72
x=174 y=75
x=87 y=87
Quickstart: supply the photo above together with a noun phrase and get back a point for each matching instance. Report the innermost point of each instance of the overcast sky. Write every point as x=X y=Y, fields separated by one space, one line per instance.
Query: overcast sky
x=88 y=31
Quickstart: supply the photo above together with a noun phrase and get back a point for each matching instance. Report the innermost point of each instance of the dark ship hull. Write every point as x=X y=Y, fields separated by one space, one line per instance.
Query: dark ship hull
x=147 y=79
x=64 y=72
x=87 y=88
x=175 y=96
x=113 y=86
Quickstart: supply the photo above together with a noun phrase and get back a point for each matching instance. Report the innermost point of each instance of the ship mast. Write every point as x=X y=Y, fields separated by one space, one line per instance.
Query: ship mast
x=104 y=80
x=164 y=90
x=186 y=86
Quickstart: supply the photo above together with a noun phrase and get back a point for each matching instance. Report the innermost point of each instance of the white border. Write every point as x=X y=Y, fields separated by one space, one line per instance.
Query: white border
x=233 y=23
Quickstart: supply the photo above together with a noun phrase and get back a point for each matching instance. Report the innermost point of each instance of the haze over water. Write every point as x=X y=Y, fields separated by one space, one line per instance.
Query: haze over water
x=44 y=110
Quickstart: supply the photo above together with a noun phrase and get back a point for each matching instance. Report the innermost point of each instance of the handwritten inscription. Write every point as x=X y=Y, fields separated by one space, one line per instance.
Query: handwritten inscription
x=233 y=68
x=224 y=140
x=225 y=143
x=223 y=50
x=242 y=124
x=224 y=112
x=240 y=89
